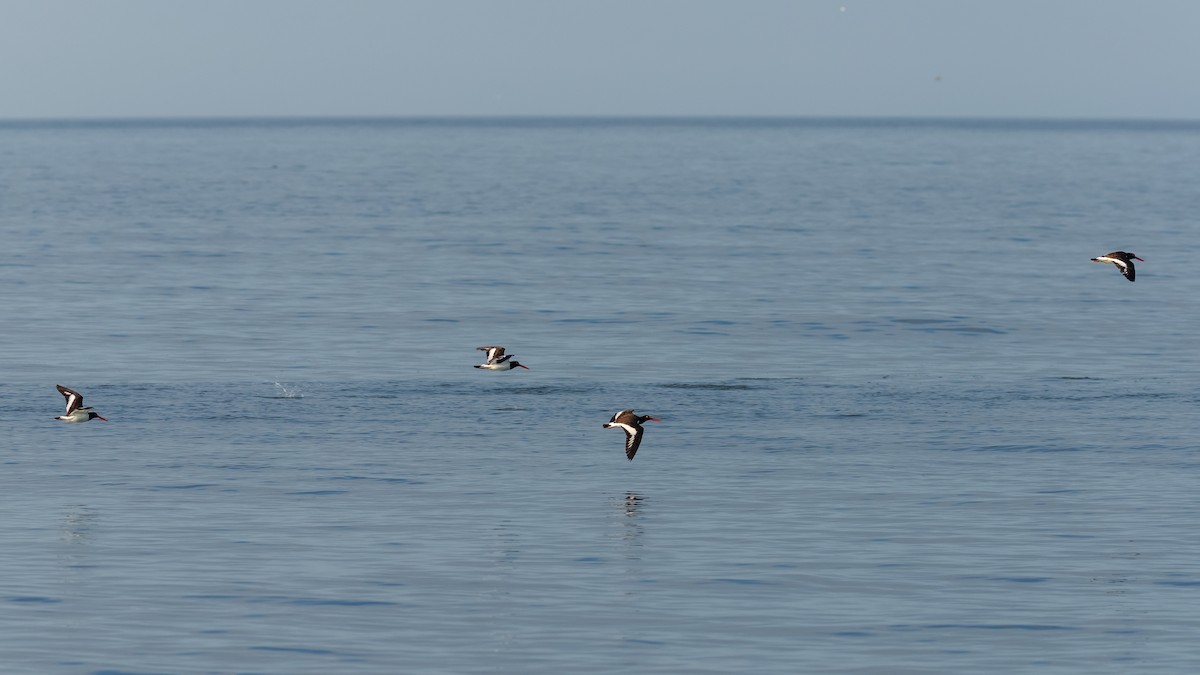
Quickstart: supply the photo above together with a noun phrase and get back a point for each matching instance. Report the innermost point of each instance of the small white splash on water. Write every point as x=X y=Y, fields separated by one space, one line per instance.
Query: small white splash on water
x=288 y=392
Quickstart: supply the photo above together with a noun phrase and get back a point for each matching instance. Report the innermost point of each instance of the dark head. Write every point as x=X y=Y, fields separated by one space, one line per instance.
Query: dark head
x=1134 y=256
x=517 y=364
x=95 y=416
x=644 y=418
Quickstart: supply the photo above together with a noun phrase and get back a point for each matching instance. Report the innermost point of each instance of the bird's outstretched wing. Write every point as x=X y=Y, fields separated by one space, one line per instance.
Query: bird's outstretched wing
x=633 y=438
x=1128 y=271
x=74 y=398
x=493 y=353
x=620 y=413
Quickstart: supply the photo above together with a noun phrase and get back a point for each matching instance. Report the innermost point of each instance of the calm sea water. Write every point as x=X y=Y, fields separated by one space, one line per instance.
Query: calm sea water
x=908 y=427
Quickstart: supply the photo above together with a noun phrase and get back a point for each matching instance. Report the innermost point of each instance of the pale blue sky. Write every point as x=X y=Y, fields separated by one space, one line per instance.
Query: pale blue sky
x=1023 y=58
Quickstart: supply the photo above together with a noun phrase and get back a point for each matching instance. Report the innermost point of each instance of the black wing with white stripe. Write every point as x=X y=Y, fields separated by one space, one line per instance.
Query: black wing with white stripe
x=74 y=398
x=494 y=353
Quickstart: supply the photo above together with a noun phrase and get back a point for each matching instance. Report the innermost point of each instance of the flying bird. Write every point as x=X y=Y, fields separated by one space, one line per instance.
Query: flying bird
x=497 y=360
x=76 y=411
x=632 y=426
x=1123 y=261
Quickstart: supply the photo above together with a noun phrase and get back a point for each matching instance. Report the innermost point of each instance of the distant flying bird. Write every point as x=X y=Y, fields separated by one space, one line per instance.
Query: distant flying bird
x=632 y=425
x=1123 y=261
x=496 y=360
x=76 y=411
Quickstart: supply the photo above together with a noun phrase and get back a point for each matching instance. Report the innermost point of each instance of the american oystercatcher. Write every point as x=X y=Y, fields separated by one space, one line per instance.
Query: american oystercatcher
x=632 y=426
x=1123 y=261
x=497 y=360
x=76 y=411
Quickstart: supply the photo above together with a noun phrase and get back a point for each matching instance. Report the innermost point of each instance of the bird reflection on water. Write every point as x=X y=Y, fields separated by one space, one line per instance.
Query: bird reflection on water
x=631 y=534
x=632 y=503
x=77 y=523
x=74 y=556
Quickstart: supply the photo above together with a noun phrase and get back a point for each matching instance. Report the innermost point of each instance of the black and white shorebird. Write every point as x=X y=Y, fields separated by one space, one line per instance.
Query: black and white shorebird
x=1123 y=261
x=632 y=426
x=498 y=360
x=76 y=411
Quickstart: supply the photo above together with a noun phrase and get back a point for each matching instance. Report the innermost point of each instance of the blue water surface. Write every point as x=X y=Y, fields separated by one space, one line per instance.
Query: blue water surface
x=907 y=426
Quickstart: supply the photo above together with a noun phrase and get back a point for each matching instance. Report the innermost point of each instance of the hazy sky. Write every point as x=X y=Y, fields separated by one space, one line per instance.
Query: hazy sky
x=1039 y=58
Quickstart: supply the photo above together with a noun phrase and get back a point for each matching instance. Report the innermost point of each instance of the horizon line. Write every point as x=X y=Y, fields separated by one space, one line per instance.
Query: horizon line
x=593 y=118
